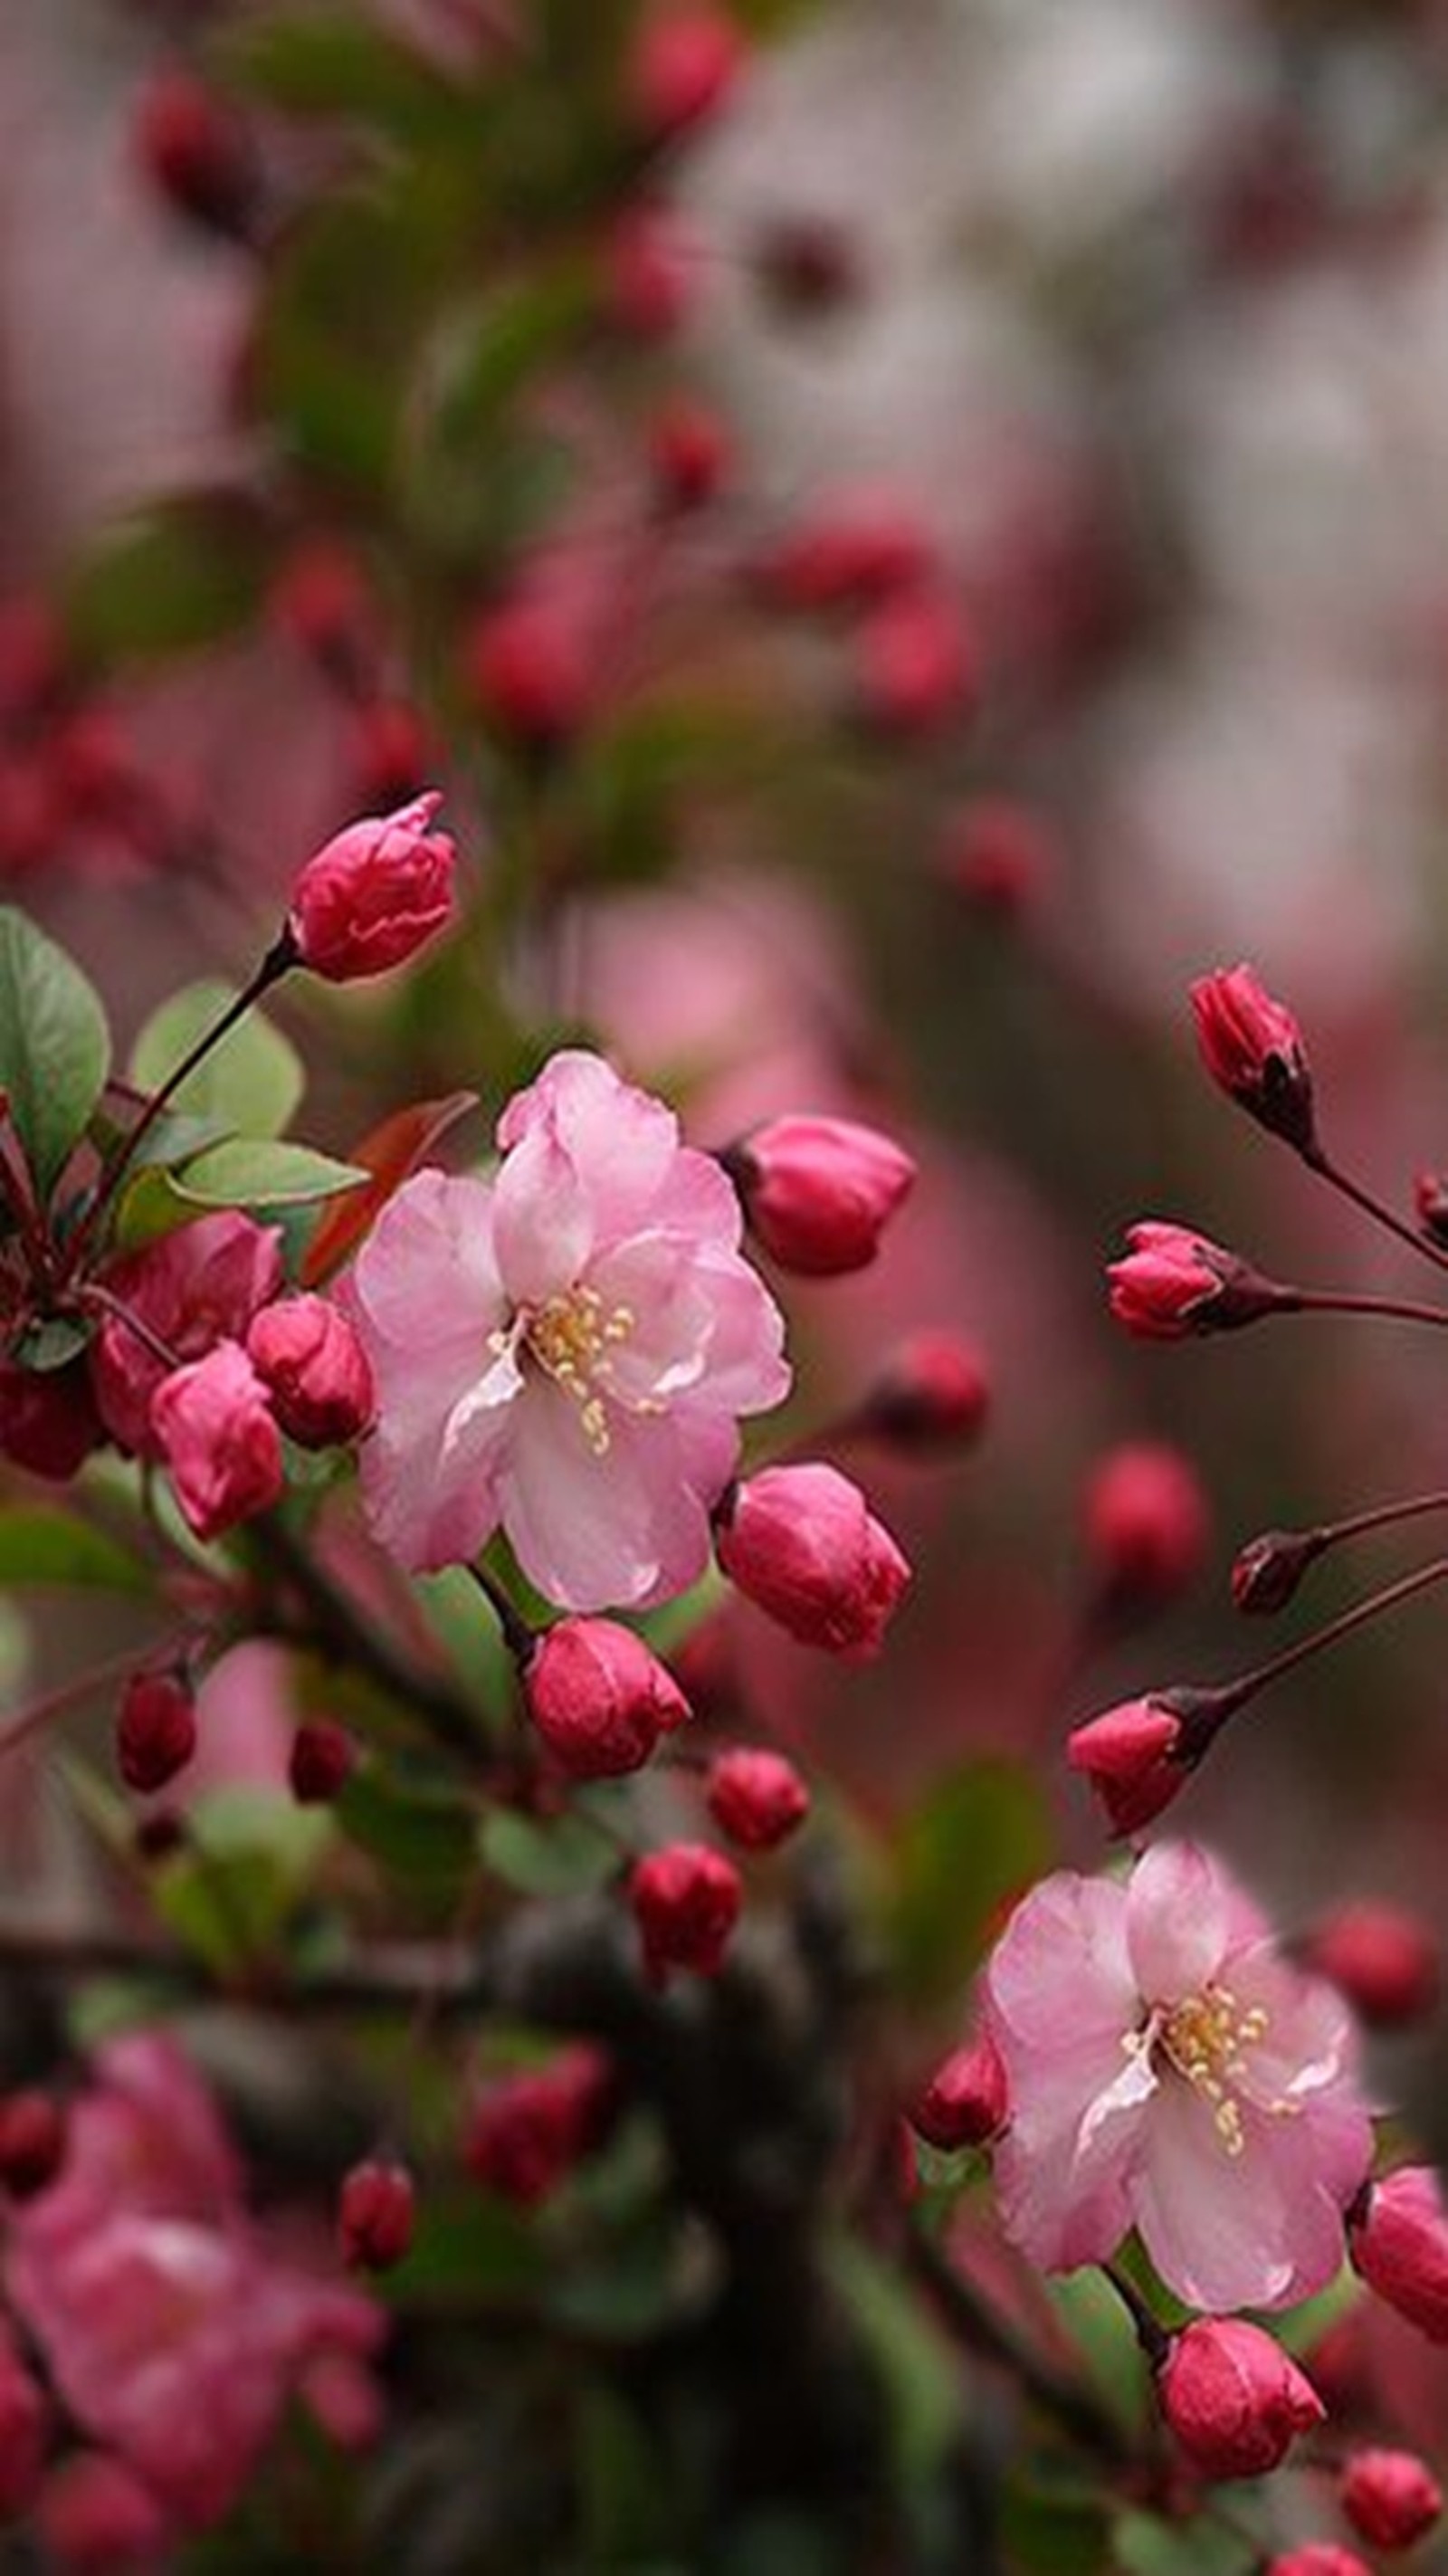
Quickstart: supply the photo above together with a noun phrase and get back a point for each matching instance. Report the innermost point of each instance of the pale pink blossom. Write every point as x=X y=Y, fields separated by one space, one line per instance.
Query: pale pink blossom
x=173 y=2328
x=561 y=1350
x=1169 y=2070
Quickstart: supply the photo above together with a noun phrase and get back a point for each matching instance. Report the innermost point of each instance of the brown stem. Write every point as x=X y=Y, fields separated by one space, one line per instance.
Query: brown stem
x=1318 y=1160
x=343 y=1630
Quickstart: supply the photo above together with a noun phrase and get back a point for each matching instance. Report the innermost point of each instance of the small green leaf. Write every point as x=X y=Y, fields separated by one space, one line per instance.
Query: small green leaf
x=1143 y=2546
x=52 y=1344
x=416 y=1831
x=1053 y=2529
x=40 y=1544
x=55 y=1047
x=231 y=1891
x=333 y=62
x=561 y=1858
x=251 y=1082
x=169 y=579
x=981 y=1835
x=243 y=1174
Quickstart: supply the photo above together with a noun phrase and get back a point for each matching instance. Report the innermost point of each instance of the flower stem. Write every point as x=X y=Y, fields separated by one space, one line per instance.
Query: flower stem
x=1318 y=1160
x=985 y=2331
x=1234 y=1695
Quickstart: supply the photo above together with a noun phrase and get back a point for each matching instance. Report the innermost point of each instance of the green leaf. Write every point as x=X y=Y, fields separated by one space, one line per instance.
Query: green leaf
x=418 y=1832
x=52 y=1344
x=251 y=1082
x=40 y=1544
x=564 y=1857
x=1143 y=2546
x=335 y=62
x=173 y=577
x=230 y=1893
x=1050 y=2529
x=244 y=1174
x=981 y=1835
x=55 y=1047
x=918 y=2367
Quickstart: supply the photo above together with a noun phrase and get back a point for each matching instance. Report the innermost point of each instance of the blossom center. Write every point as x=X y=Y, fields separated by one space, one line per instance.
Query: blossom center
x=1204 y=2038
x=571 y=1337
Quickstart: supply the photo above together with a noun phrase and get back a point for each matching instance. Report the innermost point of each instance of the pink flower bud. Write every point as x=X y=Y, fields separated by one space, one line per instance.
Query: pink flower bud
x=931 y=1396
x=32 y=2141
x=1173 y=1282
x=686 y=1901
x=685 y=63
x=97 y=2518
x=315 y=1370
x=998 y=856
x=155 y=1731
x=966 y=2100
x=321 y=1762
x=1390 y=2497
x=321 y=600
x=48 y=1420
x=649 y=274
x=1430 y=1199
x=527 y=2131
x=1318 y=2558
x=24 y=2432
x=219 y=1440
x=194 y=148
x=190 y=1290
x=375 y=2214
x=1252 y=1046
x=1146 y=1522
x=1382 y=1958
x=1268 y=1570
x=819 y=1192
x=373 y=894
x=1398 y=2242
x=1131 y=1755
x=1233 y=2399
x=393 y=752
x=917 y=665
x=855 y=554
x=689 y=455
x=803 y=1545
x=758 y=1799
x=599 y=1698
x=529 y=672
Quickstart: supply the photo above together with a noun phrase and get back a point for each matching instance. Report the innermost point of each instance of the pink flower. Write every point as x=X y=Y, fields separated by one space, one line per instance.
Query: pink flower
x=376 y=2213
x=1170 y=2071
x=1382 y=1958
x=1133 y=1757
x=155 y=1729
x=1253 y=1047
x=1399 y=2245
x=802 y=1544
x=967 y=2099
x=686 y=1901
x=219 y=1440
x=1147 y=1523
x=528 y=2130
x=561 y=1351
x=1318 y=2558
x=599 y=1698
x=1234 y=2400
x=1390 y=2497
x=930 y=1397
x=755 y=1797
x=373 y=894
x=190 y=1290
x=1172 y=1282
x=97 y=2518
x=172 y=2329
x=682 y=69
x=314 y=1369
x=820 y=1192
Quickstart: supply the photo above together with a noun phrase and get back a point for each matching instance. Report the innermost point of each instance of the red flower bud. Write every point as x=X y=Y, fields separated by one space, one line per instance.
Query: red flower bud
x=315 y=1370
x=529 y=672
x=997 y=855
x=917 y=665
x=394 y=752
x=527 y=2131
x=32 y=2141
x=373 y=894
x=32 y=659
x=155 y=1731
x=375 y=2214
x=1398 y=2242
x=193 y=147
x=1147 y=1524
x=1382 y=1958
x=1430 y=1198
x=219 y=1440
x=96 y=2517
x=1390 y=2497
x=931 y=1396
x=685 y=63
x=689 y=455
x=321 y=600
x=1132 y=1757
x=853 y=554
x=803 y=1545
x=1252 y=1046
x=966 y=2100
x=758 y=1799
x=599 y=1698
x=24 y=2433
x=649 y=274
x=322 y=1760
x=1268 y=1570
x=819 y=1192
x=1318 y=2558
x=686 y=1901
x=1233 y=2399
x=1173 y=1282
x=48 y=1419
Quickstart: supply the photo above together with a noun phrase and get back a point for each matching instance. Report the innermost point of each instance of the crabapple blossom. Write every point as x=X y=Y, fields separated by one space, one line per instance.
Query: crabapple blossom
x=1398 y=2241
x=930 y=1397
x=1382 y=1958
x=802 y=1544
x=373 y=894
x=1318 y=2558
x=375 y=2215
x=155 y=1729
x=599 y=1698
x=1233 y=2398
x=219 y=1440
x=561 y=1351
x=967 y=2099
x=314 y=1369
x=756 y=1797
x=1252 y=1047
x=819 y=1192
x=1146 y=1522
x=527 y=2130
x=322 y=1760
x=1172 y=1281
x=189 y=1290
x=1390 y=2497
x=1170 y=2070
x=686 y=1901
x=1132 y=1756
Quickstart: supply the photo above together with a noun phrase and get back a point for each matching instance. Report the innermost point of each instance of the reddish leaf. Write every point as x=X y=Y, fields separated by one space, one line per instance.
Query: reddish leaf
x=391 y=1151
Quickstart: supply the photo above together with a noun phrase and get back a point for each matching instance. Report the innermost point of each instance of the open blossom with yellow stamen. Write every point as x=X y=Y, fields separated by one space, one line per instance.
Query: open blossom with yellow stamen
x=1170 y=2070
x=563 y=1350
